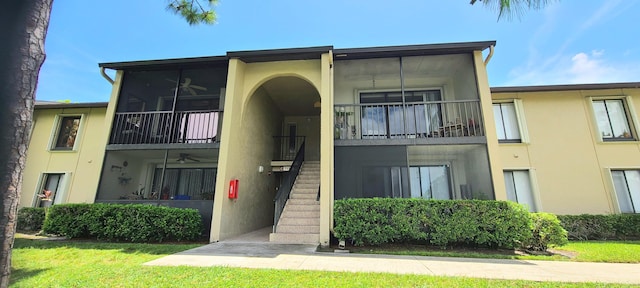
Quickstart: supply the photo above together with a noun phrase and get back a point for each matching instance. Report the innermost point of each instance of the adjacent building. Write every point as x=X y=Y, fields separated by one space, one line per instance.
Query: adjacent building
x=273 y=137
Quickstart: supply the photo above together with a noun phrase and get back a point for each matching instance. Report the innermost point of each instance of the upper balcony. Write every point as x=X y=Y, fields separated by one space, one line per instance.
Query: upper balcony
x=432 y=120
x=172 y=108
x=430 y=99
x=165 y=127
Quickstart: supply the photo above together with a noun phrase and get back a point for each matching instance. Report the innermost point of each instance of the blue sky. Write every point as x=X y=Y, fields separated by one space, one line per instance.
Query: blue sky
x=569 y=42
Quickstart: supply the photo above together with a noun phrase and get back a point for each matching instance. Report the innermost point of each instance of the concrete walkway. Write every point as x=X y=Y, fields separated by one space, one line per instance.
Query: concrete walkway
x=251 y=251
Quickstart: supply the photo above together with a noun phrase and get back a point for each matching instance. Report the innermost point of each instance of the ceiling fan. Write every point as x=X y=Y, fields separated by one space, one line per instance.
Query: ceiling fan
x=184 y=157
x=188 y=86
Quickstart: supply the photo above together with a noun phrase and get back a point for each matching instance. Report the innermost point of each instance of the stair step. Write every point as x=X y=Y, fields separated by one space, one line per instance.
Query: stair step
x=306 y=186
x=315 y=183
x=308 y=174
x=300 y=214
x=308 y=177
x=311 y=168
x=299 y=221
x=310 y=196
x=287 y=238
x=297 y=229
x=312 y=207
x=305 y=191
x=303 y=202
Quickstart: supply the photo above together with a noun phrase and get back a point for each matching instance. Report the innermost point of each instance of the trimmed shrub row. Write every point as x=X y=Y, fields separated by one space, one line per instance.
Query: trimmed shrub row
x=474 y=223
x=601 y=227
x=130 y=223
x=30 y=219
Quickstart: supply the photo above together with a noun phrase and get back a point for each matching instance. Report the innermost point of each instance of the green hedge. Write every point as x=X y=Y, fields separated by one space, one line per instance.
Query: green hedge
x=131 y=223
x=442 y=223
x=602 y=227
x=30 y=219
x=546 y=230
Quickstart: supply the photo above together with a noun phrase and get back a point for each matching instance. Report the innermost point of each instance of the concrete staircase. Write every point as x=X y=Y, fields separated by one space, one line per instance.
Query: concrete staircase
x=300 y=219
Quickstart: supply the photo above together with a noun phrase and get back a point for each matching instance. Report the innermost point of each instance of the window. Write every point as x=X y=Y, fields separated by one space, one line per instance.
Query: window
x=506 y=122
x=48 y=193
x=612 y=120
x=519 y=189
x=67 y=132
x=430 y=182
x=627 y=186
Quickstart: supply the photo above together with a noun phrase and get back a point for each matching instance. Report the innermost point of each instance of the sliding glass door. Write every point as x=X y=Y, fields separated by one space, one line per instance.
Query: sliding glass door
x=185 y=183
x=385 y=116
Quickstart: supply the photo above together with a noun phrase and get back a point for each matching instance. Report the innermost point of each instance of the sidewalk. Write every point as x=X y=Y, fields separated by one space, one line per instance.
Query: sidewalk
x=304 y=257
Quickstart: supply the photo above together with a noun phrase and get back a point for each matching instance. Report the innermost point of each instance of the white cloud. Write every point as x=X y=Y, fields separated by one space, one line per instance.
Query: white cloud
x=548 y=61
x=597 y=53
x=580 y=68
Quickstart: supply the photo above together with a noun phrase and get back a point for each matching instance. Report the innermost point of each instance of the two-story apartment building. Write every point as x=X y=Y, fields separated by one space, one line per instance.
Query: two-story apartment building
x=570 y=149
x=65 y=153
x=273 y=137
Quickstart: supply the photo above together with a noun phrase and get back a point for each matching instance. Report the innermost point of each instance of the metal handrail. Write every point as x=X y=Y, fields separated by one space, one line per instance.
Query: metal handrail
x=284 y=191
x=286 y=147
x=425 y=119
x=166 y=127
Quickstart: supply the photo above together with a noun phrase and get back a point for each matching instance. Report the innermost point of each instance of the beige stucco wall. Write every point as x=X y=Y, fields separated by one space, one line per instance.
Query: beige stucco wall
x=81 y=165
x=486 y=104
x=569 y=161
x=251 y=119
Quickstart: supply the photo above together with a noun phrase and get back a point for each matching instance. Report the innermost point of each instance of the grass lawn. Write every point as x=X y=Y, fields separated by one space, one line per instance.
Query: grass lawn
x=605 y=251
x=39 y=263
x=580 y=251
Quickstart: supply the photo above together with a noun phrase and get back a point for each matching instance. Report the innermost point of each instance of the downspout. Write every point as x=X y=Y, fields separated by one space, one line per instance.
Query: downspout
x=105 y=75
x=486 y=60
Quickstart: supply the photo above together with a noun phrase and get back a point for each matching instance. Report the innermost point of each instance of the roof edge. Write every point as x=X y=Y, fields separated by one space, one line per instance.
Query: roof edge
x=163 y=62
x=58 y=105
x=411 y=50
x=565 y=87
x=280 y=54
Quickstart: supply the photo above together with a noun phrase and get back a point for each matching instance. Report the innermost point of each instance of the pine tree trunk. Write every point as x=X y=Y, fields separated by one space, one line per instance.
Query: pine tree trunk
x=24 y=27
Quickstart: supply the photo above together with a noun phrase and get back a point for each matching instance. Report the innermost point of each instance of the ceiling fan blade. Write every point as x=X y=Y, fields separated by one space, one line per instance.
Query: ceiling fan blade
x=198 y=87
x=193 y=92
x=187 y=82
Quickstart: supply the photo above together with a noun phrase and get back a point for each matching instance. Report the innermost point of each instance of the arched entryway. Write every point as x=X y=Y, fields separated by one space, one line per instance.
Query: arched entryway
x=276 y=116
x=297 y=103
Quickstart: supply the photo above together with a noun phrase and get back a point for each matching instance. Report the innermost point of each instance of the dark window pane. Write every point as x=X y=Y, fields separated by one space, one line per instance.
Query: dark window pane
x=68 y=132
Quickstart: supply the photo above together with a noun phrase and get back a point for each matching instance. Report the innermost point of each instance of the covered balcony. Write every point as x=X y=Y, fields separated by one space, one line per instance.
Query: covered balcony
x=181 y=178
x=178 y=107
x=432 y=119
x=441 y=172
x=407 y=100
x=166 y=127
